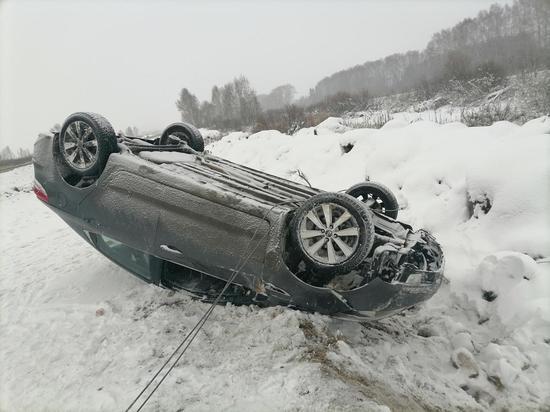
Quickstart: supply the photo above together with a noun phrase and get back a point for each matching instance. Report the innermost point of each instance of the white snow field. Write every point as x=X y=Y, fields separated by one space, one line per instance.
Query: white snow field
x=77 y=333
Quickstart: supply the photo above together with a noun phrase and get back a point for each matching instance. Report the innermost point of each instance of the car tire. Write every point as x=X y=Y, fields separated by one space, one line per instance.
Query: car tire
x=86 y=140
x=377 y=197
x=317 y=230
x=185 y=132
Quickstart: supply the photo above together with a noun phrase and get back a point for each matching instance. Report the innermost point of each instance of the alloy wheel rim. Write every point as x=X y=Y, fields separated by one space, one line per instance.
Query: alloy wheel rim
x=372 y=202
x=329 y=233
x=80 y=147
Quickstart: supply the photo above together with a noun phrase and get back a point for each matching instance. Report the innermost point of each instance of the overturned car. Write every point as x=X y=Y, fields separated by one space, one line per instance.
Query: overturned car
x=181 y=218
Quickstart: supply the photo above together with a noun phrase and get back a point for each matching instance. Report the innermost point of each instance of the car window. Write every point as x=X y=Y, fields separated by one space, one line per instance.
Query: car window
x=133 y=260
x=202 y=285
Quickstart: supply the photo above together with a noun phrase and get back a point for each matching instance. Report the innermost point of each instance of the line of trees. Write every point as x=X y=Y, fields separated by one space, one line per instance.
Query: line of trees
x=232 y=106
x=10 y=159
x=7 y=154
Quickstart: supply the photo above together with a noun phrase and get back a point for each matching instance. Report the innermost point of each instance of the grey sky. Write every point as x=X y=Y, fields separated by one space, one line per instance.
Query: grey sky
x=128 y=59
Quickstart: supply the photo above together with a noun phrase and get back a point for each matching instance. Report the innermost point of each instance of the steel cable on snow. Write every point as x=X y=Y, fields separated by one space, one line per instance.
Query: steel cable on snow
x=198 y=326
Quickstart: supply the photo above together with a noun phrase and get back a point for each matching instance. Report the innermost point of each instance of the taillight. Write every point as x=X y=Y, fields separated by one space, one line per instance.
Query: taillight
x=39 y=191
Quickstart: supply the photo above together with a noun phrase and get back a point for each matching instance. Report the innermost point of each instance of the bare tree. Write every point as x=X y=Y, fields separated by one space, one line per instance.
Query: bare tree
x=279 y=97
x=188 y=106
x=131 y=131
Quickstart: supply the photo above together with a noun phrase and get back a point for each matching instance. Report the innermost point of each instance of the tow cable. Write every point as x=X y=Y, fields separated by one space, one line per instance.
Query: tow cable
x=198 y=326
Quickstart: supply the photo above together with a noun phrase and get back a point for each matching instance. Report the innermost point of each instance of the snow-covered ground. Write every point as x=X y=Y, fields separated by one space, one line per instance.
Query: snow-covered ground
x=79 y=333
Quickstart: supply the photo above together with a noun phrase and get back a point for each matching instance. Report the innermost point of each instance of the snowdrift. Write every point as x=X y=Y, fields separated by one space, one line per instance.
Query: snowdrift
x=79 y=333
x=483 y=192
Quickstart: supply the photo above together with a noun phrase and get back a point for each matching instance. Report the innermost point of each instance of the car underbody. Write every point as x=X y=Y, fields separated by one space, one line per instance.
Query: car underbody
x=195 y=221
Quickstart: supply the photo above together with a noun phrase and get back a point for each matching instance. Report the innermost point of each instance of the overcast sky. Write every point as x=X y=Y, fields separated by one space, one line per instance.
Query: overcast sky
x=128 y=59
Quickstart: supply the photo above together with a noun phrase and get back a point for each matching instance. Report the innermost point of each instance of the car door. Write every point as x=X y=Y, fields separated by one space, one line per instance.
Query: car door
x=210 y=236
x=141 y=264
x=124 y=207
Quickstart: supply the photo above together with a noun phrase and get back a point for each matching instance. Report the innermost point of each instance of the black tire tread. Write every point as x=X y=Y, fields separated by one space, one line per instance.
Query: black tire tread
x=195 y=139
x=106 y=138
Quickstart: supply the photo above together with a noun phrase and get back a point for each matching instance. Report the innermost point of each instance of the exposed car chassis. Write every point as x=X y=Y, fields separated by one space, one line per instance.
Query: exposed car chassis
x=188 y=220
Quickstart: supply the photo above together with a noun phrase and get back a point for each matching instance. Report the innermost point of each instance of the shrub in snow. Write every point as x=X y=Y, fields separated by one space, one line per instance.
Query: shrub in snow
x=490 y=113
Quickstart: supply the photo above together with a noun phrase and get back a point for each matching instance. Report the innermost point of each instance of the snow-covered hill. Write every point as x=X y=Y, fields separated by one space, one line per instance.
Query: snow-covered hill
x=518 y=98
x=79 y=333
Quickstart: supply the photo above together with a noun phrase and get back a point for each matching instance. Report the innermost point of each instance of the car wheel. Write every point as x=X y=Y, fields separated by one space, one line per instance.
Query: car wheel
x=376 y=197
x=183 y=132
x=85 y=142
x=333 y=231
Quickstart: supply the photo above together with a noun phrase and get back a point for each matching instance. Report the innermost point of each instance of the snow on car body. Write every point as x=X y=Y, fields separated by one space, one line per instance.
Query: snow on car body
x=177 y=217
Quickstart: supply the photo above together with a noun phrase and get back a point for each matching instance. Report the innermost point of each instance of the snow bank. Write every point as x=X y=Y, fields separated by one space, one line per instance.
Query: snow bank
x=16 y=180
x=484 y=193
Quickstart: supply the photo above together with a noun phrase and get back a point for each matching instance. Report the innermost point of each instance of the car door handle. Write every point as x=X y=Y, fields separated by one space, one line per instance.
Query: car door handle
x=171 y=249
